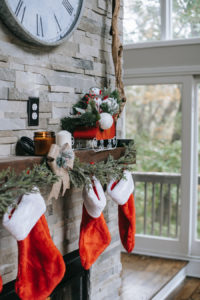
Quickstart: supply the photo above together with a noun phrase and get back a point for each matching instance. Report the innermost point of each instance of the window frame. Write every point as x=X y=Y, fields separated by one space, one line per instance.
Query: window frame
x=138 y=71
x=195 y=245
x=182 y=247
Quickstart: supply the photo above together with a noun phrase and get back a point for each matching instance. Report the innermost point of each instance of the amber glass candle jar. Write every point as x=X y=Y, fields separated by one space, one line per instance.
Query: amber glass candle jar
x=43 y=141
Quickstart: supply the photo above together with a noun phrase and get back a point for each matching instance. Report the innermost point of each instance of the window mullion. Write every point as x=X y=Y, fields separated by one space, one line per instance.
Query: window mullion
x=188 y=183
x=166 y=19
x=195 y=239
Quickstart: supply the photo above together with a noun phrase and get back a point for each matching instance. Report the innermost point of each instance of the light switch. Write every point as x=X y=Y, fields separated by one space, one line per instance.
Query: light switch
x=33 y=111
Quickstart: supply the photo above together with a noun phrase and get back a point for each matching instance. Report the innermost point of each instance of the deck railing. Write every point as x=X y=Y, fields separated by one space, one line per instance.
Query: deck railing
x=157 y=198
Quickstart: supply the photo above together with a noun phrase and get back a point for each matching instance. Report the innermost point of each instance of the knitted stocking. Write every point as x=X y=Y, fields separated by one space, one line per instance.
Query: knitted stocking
x=121 y=193
x=94 y=233
x=40 y=264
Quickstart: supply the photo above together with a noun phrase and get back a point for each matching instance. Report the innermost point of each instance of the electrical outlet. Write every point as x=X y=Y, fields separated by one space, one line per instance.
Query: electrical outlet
x=33 y=111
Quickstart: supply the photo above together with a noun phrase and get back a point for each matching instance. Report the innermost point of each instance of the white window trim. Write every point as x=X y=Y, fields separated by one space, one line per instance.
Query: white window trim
x=162 y=43
x=195 y=246
x=166 y=19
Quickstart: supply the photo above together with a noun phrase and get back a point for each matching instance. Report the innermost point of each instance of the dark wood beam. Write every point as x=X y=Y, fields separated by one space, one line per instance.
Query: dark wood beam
x=19 y=163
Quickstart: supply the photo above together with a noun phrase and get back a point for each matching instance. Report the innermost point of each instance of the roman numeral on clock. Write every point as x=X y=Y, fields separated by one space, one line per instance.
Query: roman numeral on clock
x=20 y=10
x=58 y=24
x=39 y=26
x=68 y=6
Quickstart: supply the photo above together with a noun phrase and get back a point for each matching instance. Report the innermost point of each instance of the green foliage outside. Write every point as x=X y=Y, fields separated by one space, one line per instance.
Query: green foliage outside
x=157 y=155
x=186 y=16
x=142 y=21
x=153 y=120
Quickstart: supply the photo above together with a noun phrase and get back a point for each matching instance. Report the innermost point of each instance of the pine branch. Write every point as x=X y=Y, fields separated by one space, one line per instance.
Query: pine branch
x=12 y=185
x=103 y=171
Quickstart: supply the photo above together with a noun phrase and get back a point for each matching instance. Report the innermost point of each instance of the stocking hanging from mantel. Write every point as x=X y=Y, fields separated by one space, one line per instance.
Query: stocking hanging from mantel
x=122 y=193
x=40 y=264
x=94 y=234
x=1 y=284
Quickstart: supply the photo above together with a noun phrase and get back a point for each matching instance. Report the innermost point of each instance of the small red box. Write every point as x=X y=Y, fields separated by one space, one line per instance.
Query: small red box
x=95 y=132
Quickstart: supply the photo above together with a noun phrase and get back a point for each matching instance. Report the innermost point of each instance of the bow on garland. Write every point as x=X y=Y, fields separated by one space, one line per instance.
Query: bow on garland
x=60 y=160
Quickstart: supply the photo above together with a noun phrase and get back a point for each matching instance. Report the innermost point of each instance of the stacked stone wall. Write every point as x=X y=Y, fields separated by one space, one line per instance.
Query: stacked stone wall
x=59 y=77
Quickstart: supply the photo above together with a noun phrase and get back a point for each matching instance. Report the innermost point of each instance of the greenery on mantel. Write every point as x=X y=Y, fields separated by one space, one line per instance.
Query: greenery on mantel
x=12 y=185
x=82 y=173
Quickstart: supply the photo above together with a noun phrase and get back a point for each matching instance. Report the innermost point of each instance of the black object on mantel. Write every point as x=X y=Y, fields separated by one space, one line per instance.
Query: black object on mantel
x=25 y=146
x=122 y=142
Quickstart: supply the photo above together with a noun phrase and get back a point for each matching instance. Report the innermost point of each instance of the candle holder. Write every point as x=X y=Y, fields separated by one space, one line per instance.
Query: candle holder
x=43 y=141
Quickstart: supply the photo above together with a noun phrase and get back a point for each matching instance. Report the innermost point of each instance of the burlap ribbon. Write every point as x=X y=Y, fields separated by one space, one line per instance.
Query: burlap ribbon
x=64 y=180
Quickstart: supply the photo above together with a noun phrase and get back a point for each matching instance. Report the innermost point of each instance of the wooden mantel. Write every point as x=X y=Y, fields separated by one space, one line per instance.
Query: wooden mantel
x=19 y=163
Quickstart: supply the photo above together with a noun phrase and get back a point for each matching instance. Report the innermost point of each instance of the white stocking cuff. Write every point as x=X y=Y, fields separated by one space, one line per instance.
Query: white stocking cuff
x=122 y=190
x=93 y=205
x=25 y=216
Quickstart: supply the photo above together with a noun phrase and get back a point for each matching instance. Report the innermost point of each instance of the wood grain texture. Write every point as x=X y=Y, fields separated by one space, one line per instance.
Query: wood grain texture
x=90 y=155
x=189 y=289
x=19 y=163
x=144 y=276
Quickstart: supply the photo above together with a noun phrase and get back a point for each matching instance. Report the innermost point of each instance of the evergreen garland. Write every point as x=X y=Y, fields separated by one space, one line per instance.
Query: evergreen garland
x=12 y=185
x=81 y=173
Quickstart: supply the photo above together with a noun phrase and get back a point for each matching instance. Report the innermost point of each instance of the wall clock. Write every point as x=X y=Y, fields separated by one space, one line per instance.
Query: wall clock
x=42 y=22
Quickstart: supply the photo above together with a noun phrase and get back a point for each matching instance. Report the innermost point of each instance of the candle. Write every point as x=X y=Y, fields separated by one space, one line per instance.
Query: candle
x=63 y=137
x=43 y=141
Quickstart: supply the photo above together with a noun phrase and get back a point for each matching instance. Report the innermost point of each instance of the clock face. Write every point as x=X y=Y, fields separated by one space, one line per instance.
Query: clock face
x=43 y=22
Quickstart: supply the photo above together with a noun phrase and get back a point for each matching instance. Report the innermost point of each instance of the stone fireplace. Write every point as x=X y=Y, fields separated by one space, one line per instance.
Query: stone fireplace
x=74 y=285
x=103 y=280
x=59 y=77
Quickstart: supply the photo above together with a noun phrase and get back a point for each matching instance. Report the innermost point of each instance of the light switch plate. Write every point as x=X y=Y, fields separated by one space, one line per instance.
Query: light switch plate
x=33 y=111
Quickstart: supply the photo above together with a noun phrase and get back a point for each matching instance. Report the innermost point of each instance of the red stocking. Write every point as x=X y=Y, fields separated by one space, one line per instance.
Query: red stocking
x=40 y=264
x=121 y=193
x=94 y=233
x=1 y=284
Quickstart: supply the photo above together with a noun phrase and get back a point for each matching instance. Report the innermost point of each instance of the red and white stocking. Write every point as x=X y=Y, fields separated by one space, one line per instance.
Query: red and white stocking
x=40 y=264
x=1 y=284
x=122 y=193
x=94 y=233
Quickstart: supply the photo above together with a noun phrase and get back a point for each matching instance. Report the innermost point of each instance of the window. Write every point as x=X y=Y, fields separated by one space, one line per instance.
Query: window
x=141 y=21
x=157 y=68
x=153 y=120
x=186 y=18
x=153 y=20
